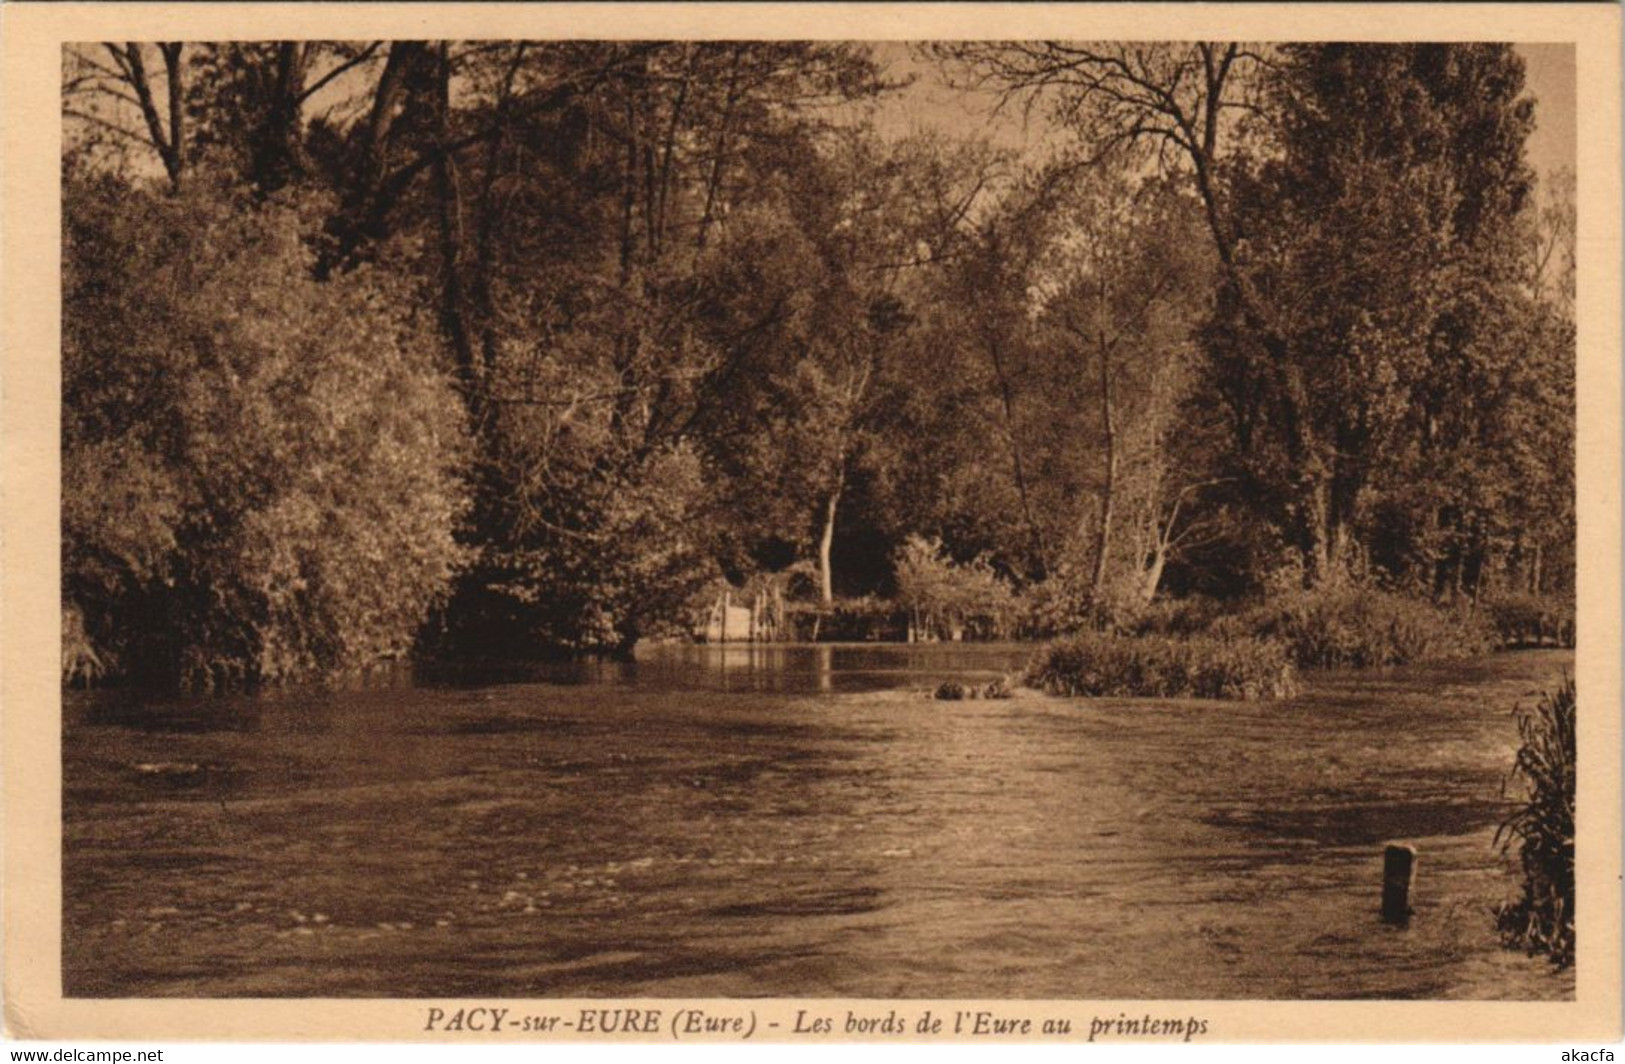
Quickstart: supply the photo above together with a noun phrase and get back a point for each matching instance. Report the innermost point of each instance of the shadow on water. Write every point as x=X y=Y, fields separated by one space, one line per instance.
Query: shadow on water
x=830 y=903
x=791 y=821
x=1365 y=824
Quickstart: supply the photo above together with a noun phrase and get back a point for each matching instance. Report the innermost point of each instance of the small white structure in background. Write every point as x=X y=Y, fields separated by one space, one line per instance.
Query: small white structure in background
x=759 y=622
x=728 y=624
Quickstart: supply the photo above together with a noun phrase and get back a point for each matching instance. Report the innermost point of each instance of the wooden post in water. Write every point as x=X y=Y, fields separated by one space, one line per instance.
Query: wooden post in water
x=1398 y=876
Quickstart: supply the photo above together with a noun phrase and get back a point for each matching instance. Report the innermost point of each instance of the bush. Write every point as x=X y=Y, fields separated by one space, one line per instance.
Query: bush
x=1065 y=601
x=1053 y=606
x=945 y=597
x=1531 y=620
x=1542 y=828
x=1097 y=664
x=1362 y=627
x=585 y=559
x=260 y=471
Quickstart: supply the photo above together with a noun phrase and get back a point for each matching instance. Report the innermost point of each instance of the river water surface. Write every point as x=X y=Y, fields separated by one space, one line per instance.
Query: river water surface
x=792 y=822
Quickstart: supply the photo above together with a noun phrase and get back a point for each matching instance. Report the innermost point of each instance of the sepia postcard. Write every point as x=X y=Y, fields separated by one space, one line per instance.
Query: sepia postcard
x=811 y=523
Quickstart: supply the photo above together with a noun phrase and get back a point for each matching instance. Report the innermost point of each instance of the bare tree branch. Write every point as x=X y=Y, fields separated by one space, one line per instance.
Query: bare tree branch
x=339 y=71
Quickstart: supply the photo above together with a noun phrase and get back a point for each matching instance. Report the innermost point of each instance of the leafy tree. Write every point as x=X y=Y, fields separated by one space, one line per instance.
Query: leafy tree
x=1406 y=309
x=825 y=287
x=1064 y=335
x=603 y=331
x=943 y=596
x=260 y=472
x=1130 y=285
x=1396 y=165
x=1353 y=194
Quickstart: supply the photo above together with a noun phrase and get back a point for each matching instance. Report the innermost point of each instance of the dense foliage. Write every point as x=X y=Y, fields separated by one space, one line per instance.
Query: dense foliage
x=1095 y=664
x=1351 y=627
x=512 y=348
x=1541 y=920
x=944 y=597
x=261 y=474
x=1524 y=620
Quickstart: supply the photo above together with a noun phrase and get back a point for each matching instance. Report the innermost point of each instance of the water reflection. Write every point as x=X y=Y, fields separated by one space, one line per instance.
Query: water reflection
x=785 y=668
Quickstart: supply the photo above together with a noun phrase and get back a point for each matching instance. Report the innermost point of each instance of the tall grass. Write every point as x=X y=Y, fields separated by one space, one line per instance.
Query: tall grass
x=1541 y=920
x=1094 y=664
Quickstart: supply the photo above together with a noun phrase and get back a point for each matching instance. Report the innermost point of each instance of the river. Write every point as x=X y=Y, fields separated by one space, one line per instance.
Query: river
x=792 y=822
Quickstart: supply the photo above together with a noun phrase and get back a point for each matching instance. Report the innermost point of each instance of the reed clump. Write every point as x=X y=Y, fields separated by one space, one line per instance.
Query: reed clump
x=1541 y=830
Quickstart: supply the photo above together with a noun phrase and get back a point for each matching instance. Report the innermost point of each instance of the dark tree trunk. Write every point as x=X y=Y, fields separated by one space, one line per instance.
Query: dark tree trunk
x=1007 y=404
x=170 y=143
x=367 y=199
x=278 y=156
x=453 y=314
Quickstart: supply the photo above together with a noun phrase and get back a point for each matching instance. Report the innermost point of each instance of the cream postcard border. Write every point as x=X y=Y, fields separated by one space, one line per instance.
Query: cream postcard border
x=30 y=705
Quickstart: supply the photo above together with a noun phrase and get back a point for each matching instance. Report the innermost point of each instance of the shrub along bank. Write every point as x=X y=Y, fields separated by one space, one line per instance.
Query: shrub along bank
x=1194 y=648
x=1361 y=627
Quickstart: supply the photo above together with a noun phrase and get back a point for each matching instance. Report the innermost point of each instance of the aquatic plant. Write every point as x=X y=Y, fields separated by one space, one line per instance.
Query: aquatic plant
x=1094 y=664
x=1541 y=920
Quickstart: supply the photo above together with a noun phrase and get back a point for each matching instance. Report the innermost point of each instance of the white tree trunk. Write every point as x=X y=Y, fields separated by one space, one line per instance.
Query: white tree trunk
x=826 y=541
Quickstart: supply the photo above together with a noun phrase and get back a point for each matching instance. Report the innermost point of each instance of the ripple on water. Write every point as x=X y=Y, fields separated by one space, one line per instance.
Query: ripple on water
x=796 y=823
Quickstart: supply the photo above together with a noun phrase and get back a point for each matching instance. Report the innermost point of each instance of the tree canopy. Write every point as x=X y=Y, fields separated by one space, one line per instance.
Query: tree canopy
x=373 y=348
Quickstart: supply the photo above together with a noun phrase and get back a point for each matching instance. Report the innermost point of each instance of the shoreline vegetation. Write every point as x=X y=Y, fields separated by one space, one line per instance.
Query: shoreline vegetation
x=439 y=350
x=1196 y=648
x=1095 y=666
x=1541 y=920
